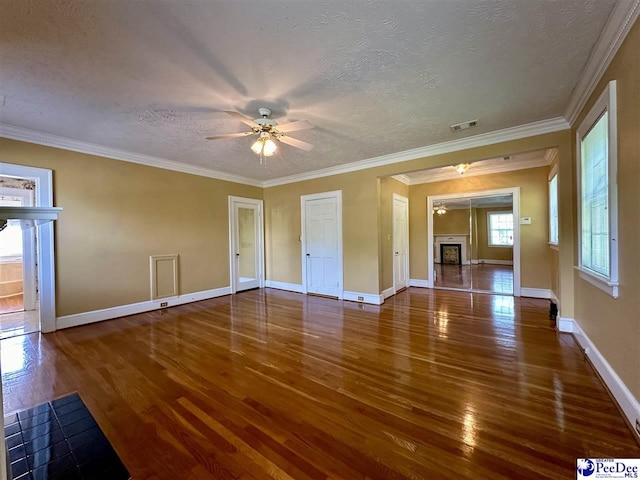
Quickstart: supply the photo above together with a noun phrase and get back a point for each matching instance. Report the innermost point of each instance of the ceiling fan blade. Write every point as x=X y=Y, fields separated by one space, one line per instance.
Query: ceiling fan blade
x=295 y=143
x=293 y=126
x=242 y=118
x=231 y=135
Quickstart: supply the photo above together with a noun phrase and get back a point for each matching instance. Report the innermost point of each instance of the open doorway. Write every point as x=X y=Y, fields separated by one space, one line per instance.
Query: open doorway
x=246 y=243
x=19 y=306
x=474 y=241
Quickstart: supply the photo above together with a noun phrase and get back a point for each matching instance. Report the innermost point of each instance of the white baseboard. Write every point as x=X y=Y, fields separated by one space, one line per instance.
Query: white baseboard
x=564 y=324
x=93 y=316
x=388 y=293
x=628 y=403
x=535 y=292
x=415 y=282
x=494 y=262
x=554 y=298
x=363 y=297
x=291 y=287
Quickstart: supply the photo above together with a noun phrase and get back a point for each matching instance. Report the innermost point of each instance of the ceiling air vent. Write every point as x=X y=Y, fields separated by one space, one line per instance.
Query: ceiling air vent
x=464 y=125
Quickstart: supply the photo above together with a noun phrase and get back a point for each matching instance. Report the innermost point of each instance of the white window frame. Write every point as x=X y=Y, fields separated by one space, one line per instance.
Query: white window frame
x=553 y=242
x=494 y=245
x=606 y=103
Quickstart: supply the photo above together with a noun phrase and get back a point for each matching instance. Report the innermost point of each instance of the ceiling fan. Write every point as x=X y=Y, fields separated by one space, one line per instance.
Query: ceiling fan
x=268 y=130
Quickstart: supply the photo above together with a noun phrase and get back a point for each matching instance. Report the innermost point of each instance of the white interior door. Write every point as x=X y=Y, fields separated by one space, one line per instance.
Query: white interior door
x=246 y=243
x=322 y=243
x=400 y=242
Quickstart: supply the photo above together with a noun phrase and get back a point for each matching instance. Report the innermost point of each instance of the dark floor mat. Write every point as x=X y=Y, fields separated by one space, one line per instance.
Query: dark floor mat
x=60 y=440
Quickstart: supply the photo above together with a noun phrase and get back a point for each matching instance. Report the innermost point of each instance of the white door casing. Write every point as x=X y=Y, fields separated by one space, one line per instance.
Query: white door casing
x=322 y=262
x=246 y=243
x=515 y=192
x=400 y=242
x=45 y=245
x=28 y=250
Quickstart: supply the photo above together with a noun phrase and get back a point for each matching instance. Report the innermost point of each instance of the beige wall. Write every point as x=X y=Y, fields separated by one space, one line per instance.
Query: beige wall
x=117 y=213
x=614 y=324
x=361 y=237
x=388 y=186
x=452 y=222
x=359 y=229
x=111 y=245
x=535 y=257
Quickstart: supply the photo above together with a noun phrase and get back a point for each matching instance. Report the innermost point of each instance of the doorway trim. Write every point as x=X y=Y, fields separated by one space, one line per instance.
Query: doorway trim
x=29 y=276
x=337 y=194
x=515 y=192
x=45 y=245
x=233 y=274
x=404 y=199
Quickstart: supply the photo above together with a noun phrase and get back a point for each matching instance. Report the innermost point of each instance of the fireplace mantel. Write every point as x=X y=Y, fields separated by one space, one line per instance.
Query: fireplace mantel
x=461 y=239
x=28 y=216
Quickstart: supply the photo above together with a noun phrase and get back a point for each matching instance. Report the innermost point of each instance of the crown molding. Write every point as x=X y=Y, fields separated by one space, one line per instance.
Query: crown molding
x=622 y=18
x=507 y=134
x=512 y=133
x=448 y=173
x=402 y=179
x=550 y=155
x=66 y=143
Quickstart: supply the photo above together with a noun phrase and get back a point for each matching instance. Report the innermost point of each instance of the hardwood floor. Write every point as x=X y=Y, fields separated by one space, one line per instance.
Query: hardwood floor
x=483 y=277
x=433 y=384
x=11 y=303
x=19 y=323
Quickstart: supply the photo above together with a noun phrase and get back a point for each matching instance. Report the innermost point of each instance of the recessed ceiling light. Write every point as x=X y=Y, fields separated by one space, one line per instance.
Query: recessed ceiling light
x=464 y=125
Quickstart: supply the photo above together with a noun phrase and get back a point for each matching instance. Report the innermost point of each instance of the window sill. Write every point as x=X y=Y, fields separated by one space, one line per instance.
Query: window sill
x=554 y=246
x=599 y=281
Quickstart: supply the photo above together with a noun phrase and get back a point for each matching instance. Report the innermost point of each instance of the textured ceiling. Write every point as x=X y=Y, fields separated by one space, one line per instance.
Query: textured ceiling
x=152 y=77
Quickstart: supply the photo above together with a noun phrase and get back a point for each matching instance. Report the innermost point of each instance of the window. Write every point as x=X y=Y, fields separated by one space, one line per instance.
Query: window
x=597 y=198
x=553 y=209
x=500 y=229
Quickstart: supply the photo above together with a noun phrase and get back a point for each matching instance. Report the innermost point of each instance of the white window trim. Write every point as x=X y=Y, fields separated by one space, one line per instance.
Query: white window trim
x=553 y=173
x=492 y=245
x=606 y=102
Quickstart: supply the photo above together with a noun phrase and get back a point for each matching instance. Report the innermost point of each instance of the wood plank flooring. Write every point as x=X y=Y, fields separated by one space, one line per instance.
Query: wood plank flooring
x=484 y=277
x=11 y=303
x=433 y=384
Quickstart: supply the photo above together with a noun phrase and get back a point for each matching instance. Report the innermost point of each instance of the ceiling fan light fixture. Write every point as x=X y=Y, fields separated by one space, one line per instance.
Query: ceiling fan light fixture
x=461 y=168
x=269 y=147
x=440 y=209
x=264 y=145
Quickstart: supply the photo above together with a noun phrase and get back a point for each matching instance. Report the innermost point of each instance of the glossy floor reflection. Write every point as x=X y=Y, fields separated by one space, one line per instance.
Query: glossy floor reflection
x=19 y=323
x=484 y=277
x=432 y=384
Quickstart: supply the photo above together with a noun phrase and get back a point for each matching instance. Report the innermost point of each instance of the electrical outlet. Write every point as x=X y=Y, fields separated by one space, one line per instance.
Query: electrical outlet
x=164 y=304
x=361 y=299
x=638 y=425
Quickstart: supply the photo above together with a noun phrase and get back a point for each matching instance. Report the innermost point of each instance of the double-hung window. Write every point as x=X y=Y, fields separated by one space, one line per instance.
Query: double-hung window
x=500 y=229
x=597 y=194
